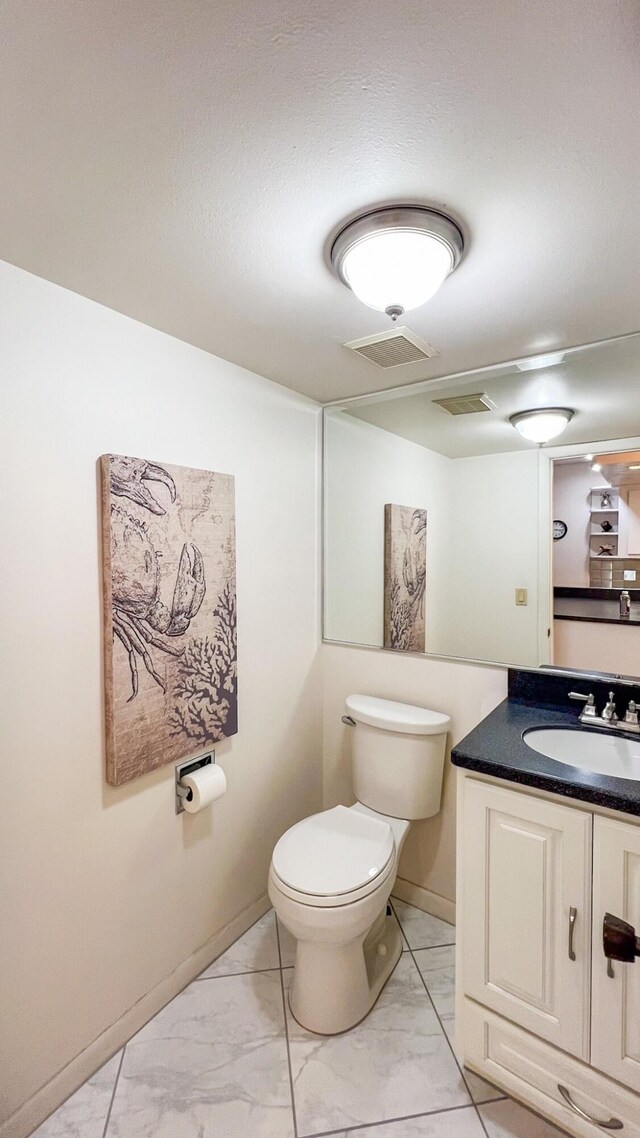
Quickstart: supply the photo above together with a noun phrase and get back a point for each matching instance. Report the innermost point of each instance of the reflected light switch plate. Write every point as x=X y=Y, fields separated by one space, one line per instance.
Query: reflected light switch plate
x=521 y=596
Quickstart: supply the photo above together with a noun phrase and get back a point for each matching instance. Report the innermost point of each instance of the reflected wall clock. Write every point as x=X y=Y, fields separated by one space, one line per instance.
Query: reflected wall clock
x=559 y=530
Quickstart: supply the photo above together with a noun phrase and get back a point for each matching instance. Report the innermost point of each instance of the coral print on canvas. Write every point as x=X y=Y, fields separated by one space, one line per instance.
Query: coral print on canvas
x=169 y=563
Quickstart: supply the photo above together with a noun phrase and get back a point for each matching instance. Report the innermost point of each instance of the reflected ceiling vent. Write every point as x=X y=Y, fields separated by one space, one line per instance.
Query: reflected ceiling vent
x=391 y=349
x=466 y=404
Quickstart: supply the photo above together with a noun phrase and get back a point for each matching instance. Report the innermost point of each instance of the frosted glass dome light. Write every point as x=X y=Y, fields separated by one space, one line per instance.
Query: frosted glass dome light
x=542 y=424
x=397 y=269
x=396 y=259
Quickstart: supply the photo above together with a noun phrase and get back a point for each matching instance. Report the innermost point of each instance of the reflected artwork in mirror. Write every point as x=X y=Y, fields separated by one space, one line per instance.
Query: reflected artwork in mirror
x=405 y=574
x=498 y=587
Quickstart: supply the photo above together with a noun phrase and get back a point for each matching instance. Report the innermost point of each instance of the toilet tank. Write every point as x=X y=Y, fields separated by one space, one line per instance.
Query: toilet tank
x=397 y=756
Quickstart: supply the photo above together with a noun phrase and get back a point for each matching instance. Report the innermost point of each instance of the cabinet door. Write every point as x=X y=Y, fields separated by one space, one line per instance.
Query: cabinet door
x=527 y=912
x=615 y=1032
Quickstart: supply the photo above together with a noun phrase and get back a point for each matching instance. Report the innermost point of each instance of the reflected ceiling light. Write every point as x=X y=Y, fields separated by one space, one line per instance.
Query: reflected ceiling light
x=596 y=467
x=541 y=361
x=588 y=458
x=634 y=467
x=395 y=259
x=542 y=424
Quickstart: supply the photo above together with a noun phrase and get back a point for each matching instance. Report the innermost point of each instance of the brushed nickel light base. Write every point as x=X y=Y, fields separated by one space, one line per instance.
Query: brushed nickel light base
x=415 y=219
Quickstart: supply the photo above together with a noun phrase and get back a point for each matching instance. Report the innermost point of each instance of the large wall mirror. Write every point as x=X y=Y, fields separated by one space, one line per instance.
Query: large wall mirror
x=528 y=548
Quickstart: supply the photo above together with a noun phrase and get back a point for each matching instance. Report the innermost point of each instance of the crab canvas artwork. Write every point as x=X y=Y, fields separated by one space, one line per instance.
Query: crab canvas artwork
x=405 y=577
x=169 y=563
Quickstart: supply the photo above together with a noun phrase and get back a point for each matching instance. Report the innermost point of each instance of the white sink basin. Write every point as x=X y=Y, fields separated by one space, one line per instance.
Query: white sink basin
x=593 y=751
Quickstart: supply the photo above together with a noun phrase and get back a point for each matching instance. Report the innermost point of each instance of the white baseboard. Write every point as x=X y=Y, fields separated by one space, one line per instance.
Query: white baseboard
x=423 y=899
x=33 y=1112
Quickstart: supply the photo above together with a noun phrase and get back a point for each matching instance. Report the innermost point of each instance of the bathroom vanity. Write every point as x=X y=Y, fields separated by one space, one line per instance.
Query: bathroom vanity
x=545 y=850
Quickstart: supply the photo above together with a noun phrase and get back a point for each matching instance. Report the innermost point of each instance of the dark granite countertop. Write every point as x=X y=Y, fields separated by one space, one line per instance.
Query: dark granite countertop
x=496 y=747
x=592 y=609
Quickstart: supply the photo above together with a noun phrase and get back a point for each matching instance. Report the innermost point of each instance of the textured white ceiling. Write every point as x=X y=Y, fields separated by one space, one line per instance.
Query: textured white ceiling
x=184 y=162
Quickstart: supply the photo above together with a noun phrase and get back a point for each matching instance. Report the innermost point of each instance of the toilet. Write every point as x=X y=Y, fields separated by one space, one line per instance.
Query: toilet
x=331 y=875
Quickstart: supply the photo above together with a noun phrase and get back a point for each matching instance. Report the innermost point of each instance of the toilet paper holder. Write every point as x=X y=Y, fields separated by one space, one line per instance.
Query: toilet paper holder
x=189 y=767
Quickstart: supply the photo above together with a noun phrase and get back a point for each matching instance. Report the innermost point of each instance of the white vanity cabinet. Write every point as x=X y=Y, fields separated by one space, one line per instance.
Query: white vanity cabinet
x=527 y=912
x=540 y=1011
x=615 y=1031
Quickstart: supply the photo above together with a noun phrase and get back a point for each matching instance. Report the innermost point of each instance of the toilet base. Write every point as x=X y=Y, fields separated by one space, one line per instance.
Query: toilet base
x=335 y=986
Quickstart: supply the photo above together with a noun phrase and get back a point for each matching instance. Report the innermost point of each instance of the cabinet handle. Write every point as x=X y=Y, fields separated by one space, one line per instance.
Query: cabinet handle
x=573 y=913
x=619 y=939
x=612 y=1124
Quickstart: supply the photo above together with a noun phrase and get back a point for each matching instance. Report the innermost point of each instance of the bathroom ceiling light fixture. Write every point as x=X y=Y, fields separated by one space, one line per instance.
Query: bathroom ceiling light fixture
x=536 y=362
x=542 y=424
x=395 y=259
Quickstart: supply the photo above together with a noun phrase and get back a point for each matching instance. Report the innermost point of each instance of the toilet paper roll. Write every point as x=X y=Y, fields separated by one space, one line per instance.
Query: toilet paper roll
x=206 y=784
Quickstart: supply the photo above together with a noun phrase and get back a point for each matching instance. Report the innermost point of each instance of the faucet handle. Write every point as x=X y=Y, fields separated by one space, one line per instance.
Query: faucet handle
x=632 y=713
x=589 y=702
x=609 y=710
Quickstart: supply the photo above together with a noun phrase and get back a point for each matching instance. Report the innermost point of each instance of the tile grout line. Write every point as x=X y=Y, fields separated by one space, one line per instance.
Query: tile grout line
x=113 y=1093
x=245 y=972
x=430 y=947
x=455 y=1057
x=388 y=1121
x=286 y=1033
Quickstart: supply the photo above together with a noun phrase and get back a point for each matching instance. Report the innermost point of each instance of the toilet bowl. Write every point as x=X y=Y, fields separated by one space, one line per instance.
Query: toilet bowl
x=331 y=875
x=330 y=879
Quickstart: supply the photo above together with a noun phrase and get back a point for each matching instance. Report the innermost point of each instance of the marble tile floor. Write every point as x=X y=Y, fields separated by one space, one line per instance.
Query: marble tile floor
x=225 y=1059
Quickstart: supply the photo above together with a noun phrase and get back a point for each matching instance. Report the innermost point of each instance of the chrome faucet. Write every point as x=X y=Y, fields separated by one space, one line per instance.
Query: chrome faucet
x=588 y=712
x=609 y=716
x=609 y=710
x=631 y=722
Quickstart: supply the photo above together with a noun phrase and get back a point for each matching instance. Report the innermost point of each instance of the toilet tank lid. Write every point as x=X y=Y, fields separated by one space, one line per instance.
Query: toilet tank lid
x=401 y=717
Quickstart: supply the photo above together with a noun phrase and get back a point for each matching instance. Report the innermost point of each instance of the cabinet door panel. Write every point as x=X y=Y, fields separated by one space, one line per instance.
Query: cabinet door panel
x=526 y=867
x=615 y=1043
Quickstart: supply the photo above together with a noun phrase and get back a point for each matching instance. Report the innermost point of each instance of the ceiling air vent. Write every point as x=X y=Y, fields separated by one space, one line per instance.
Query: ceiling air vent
x=465 y=404
x=390 y=349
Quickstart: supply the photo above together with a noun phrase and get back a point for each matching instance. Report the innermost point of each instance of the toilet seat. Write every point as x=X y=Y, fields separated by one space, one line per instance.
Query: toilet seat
x=334 y=858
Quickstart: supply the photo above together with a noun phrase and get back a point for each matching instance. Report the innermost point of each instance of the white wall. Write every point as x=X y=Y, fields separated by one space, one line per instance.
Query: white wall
x=494 y=551
x=366 y=468
x=572 y=482
x=106 y=895
x=466 y=692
